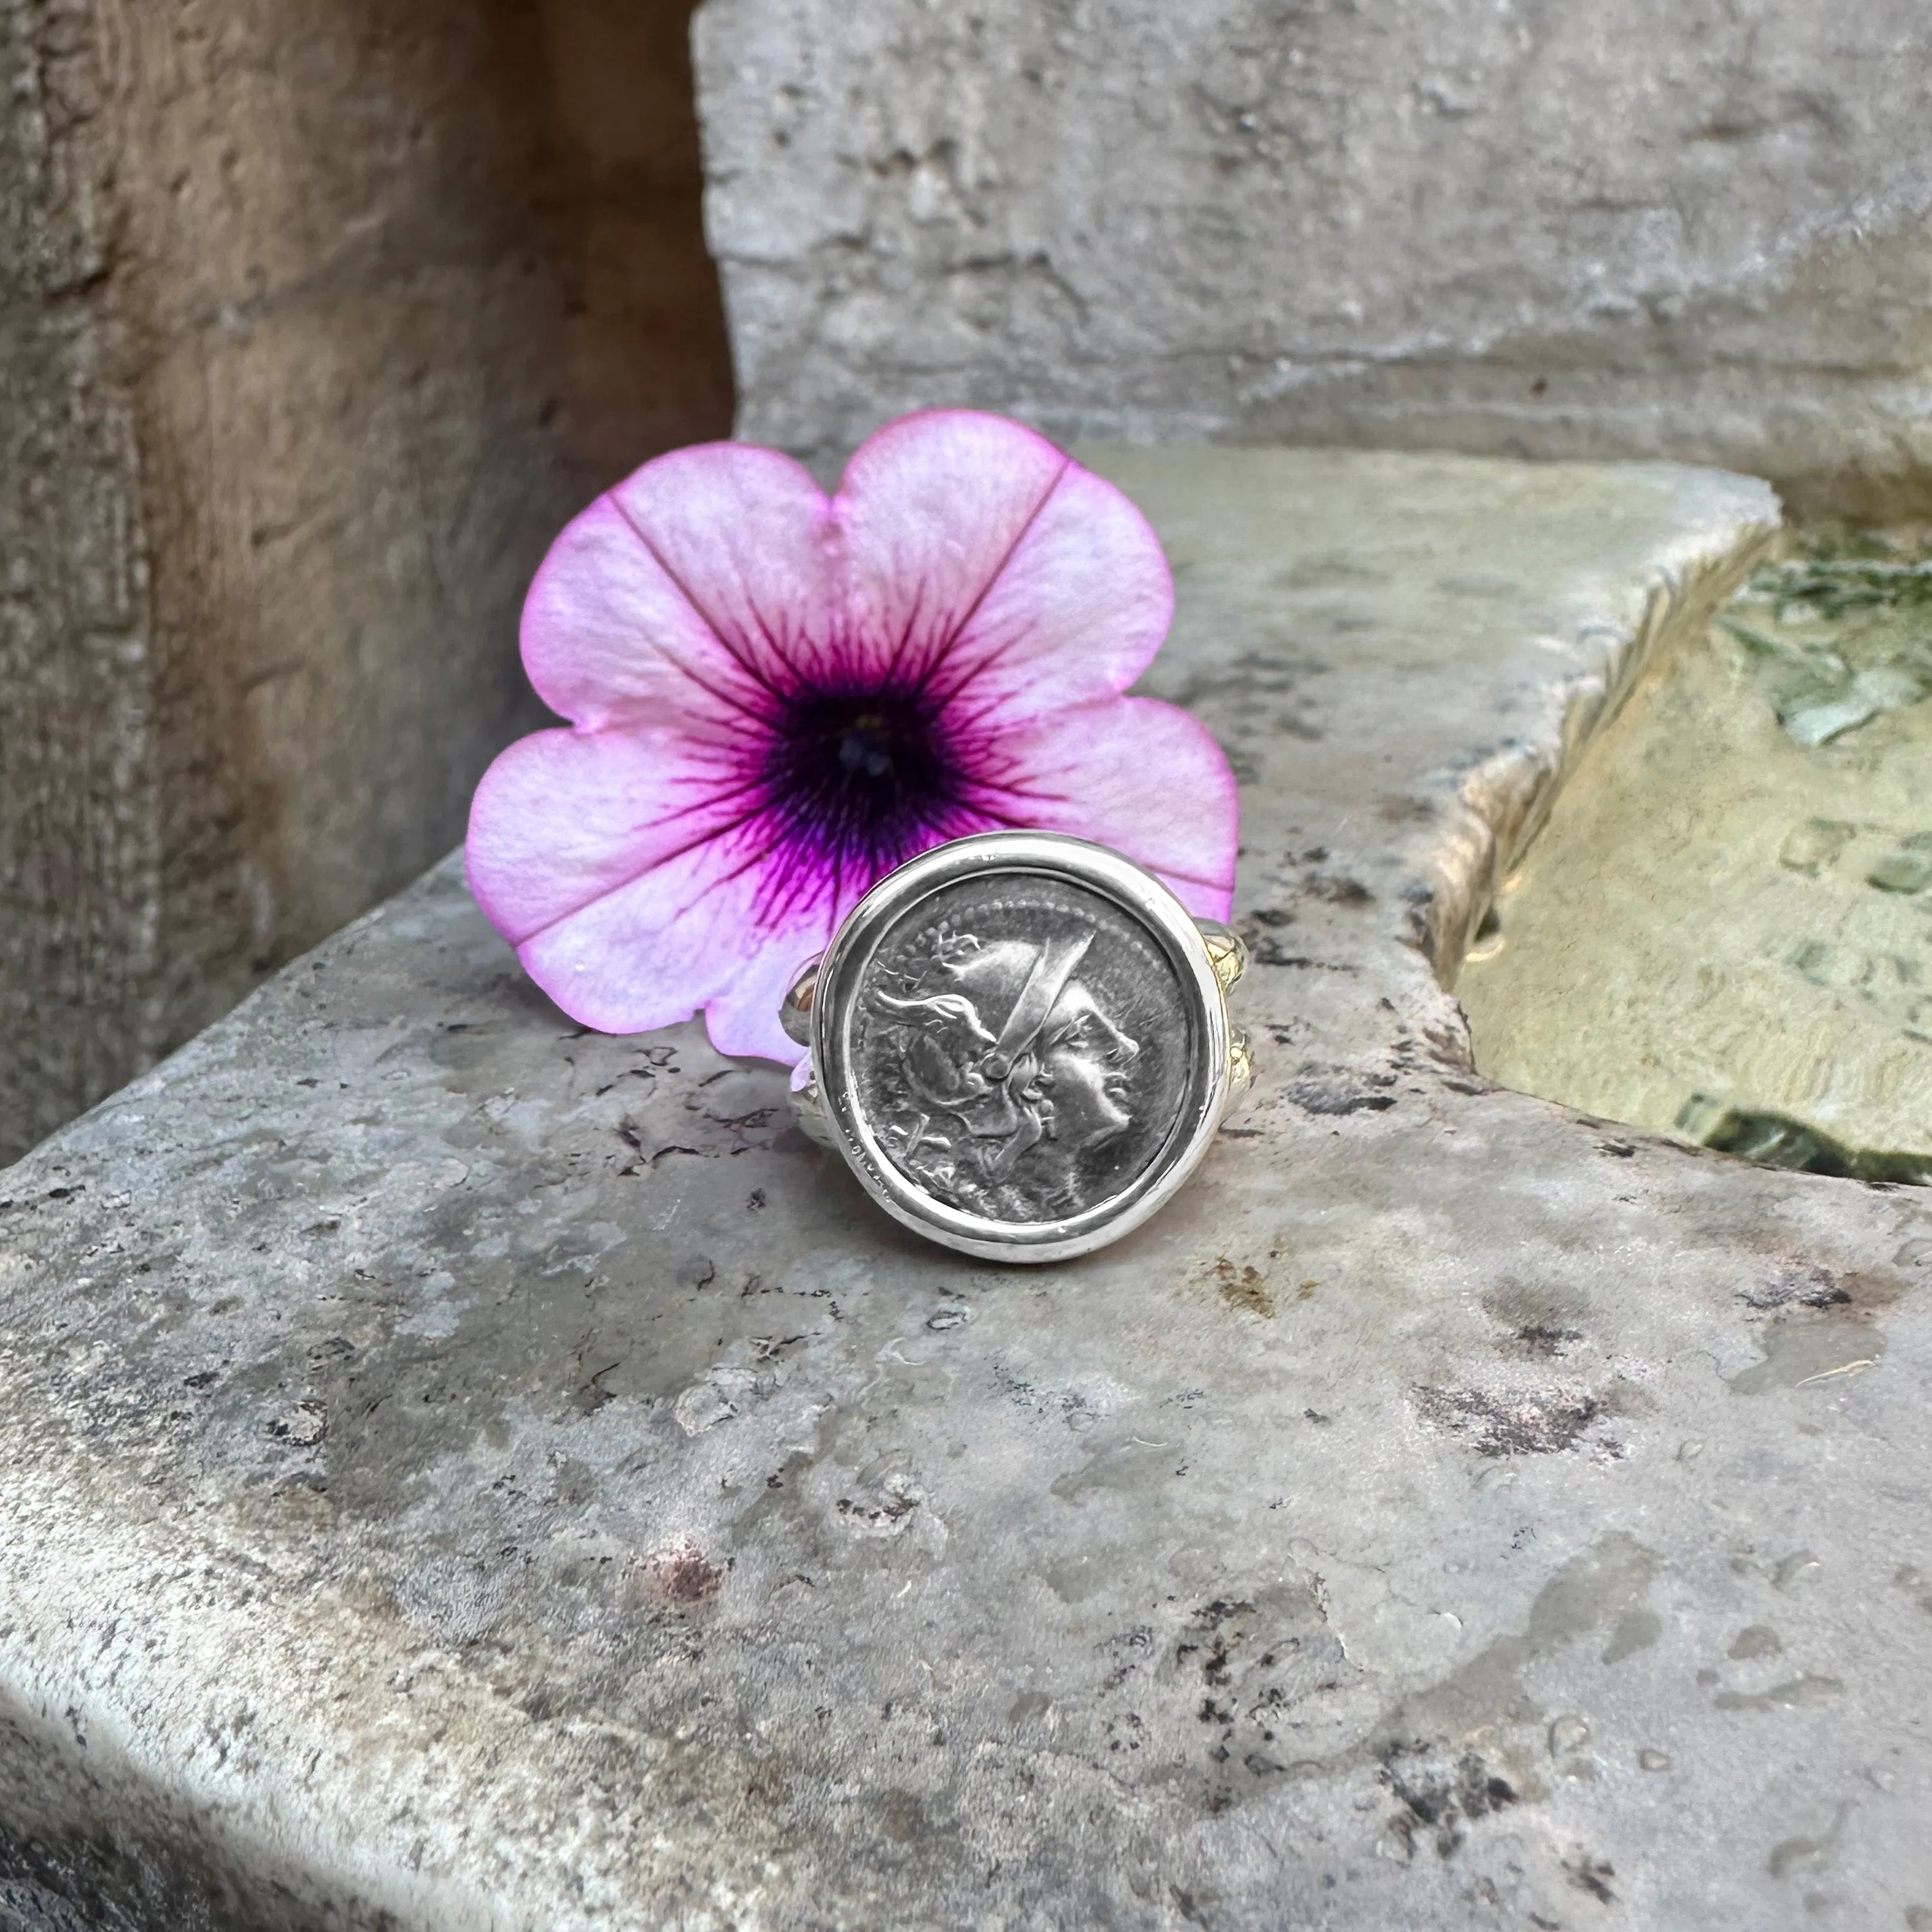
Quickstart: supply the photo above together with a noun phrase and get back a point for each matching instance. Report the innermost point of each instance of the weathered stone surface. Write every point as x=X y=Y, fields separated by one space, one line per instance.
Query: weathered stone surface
x=316 y=322
x=465 y=1468
x=1631 y=228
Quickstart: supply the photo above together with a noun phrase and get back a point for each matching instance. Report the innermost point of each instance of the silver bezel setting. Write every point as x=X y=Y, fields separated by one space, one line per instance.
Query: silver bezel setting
x=1206 y=1089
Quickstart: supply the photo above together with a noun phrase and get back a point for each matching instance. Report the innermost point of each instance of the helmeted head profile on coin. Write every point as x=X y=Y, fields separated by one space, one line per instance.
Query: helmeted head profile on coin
x=1021 y=1045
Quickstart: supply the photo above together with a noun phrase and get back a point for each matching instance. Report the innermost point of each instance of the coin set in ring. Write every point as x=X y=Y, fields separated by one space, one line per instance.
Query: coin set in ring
x=1020 y=1044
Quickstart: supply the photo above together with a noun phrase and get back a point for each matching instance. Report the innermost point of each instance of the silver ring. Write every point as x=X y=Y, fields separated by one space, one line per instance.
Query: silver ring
x=1020 y=1044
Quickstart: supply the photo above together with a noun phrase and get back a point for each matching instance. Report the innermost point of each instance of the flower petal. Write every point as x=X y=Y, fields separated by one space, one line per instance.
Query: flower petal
x=691 y=593
x=742 y=1017
x=1136 y=774
x=563 y=817
x=620 y=865
x=681 y=936
x=983 y=560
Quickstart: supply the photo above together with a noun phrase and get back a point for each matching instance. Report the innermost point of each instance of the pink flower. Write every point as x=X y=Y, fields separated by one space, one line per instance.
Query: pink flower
x=776 y=697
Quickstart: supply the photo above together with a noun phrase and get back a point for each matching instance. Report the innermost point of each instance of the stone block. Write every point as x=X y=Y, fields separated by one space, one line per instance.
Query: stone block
x=316 y=322
x=1635 y=228
x=469 y=1470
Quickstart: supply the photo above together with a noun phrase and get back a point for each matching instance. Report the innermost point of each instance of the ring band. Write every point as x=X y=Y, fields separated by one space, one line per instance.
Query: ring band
x=1020 y=1044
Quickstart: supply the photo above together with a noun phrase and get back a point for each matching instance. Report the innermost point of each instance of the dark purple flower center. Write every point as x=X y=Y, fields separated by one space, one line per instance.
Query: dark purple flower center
x=861 y=780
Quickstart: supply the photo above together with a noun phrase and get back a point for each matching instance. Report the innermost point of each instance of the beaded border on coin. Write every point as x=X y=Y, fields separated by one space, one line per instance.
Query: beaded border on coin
x=821 y=1012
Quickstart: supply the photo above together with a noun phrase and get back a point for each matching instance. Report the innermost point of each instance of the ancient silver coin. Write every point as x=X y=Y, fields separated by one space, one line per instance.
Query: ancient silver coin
x=1022 y=1047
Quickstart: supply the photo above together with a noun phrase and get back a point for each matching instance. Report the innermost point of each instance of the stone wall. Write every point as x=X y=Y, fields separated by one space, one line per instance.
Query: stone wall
x=1691 y=228
x=316 y=321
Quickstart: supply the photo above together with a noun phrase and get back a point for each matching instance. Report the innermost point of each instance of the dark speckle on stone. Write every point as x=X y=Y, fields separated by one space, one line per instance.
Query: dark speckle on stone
x=1512 y=1422
x=1544 y=1338
x=1795 y=1287
x=1440 y=1797
x=303 y=1426
x=1593 y=1876
x=1334 y=1090
x=1267 y=950
x=1340 y=889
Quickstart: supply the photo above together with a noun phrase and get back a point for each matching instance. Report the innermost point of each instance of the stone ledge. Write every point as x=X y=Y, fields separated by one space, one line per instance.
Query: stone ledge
x=466 y=1470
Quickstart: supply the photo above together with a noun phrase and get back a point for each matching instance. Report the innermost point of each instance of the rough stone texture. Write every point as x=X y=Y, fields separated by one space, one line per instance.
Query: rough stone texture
x=1684 y=228
x=463 y=1467
x=316 y=322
